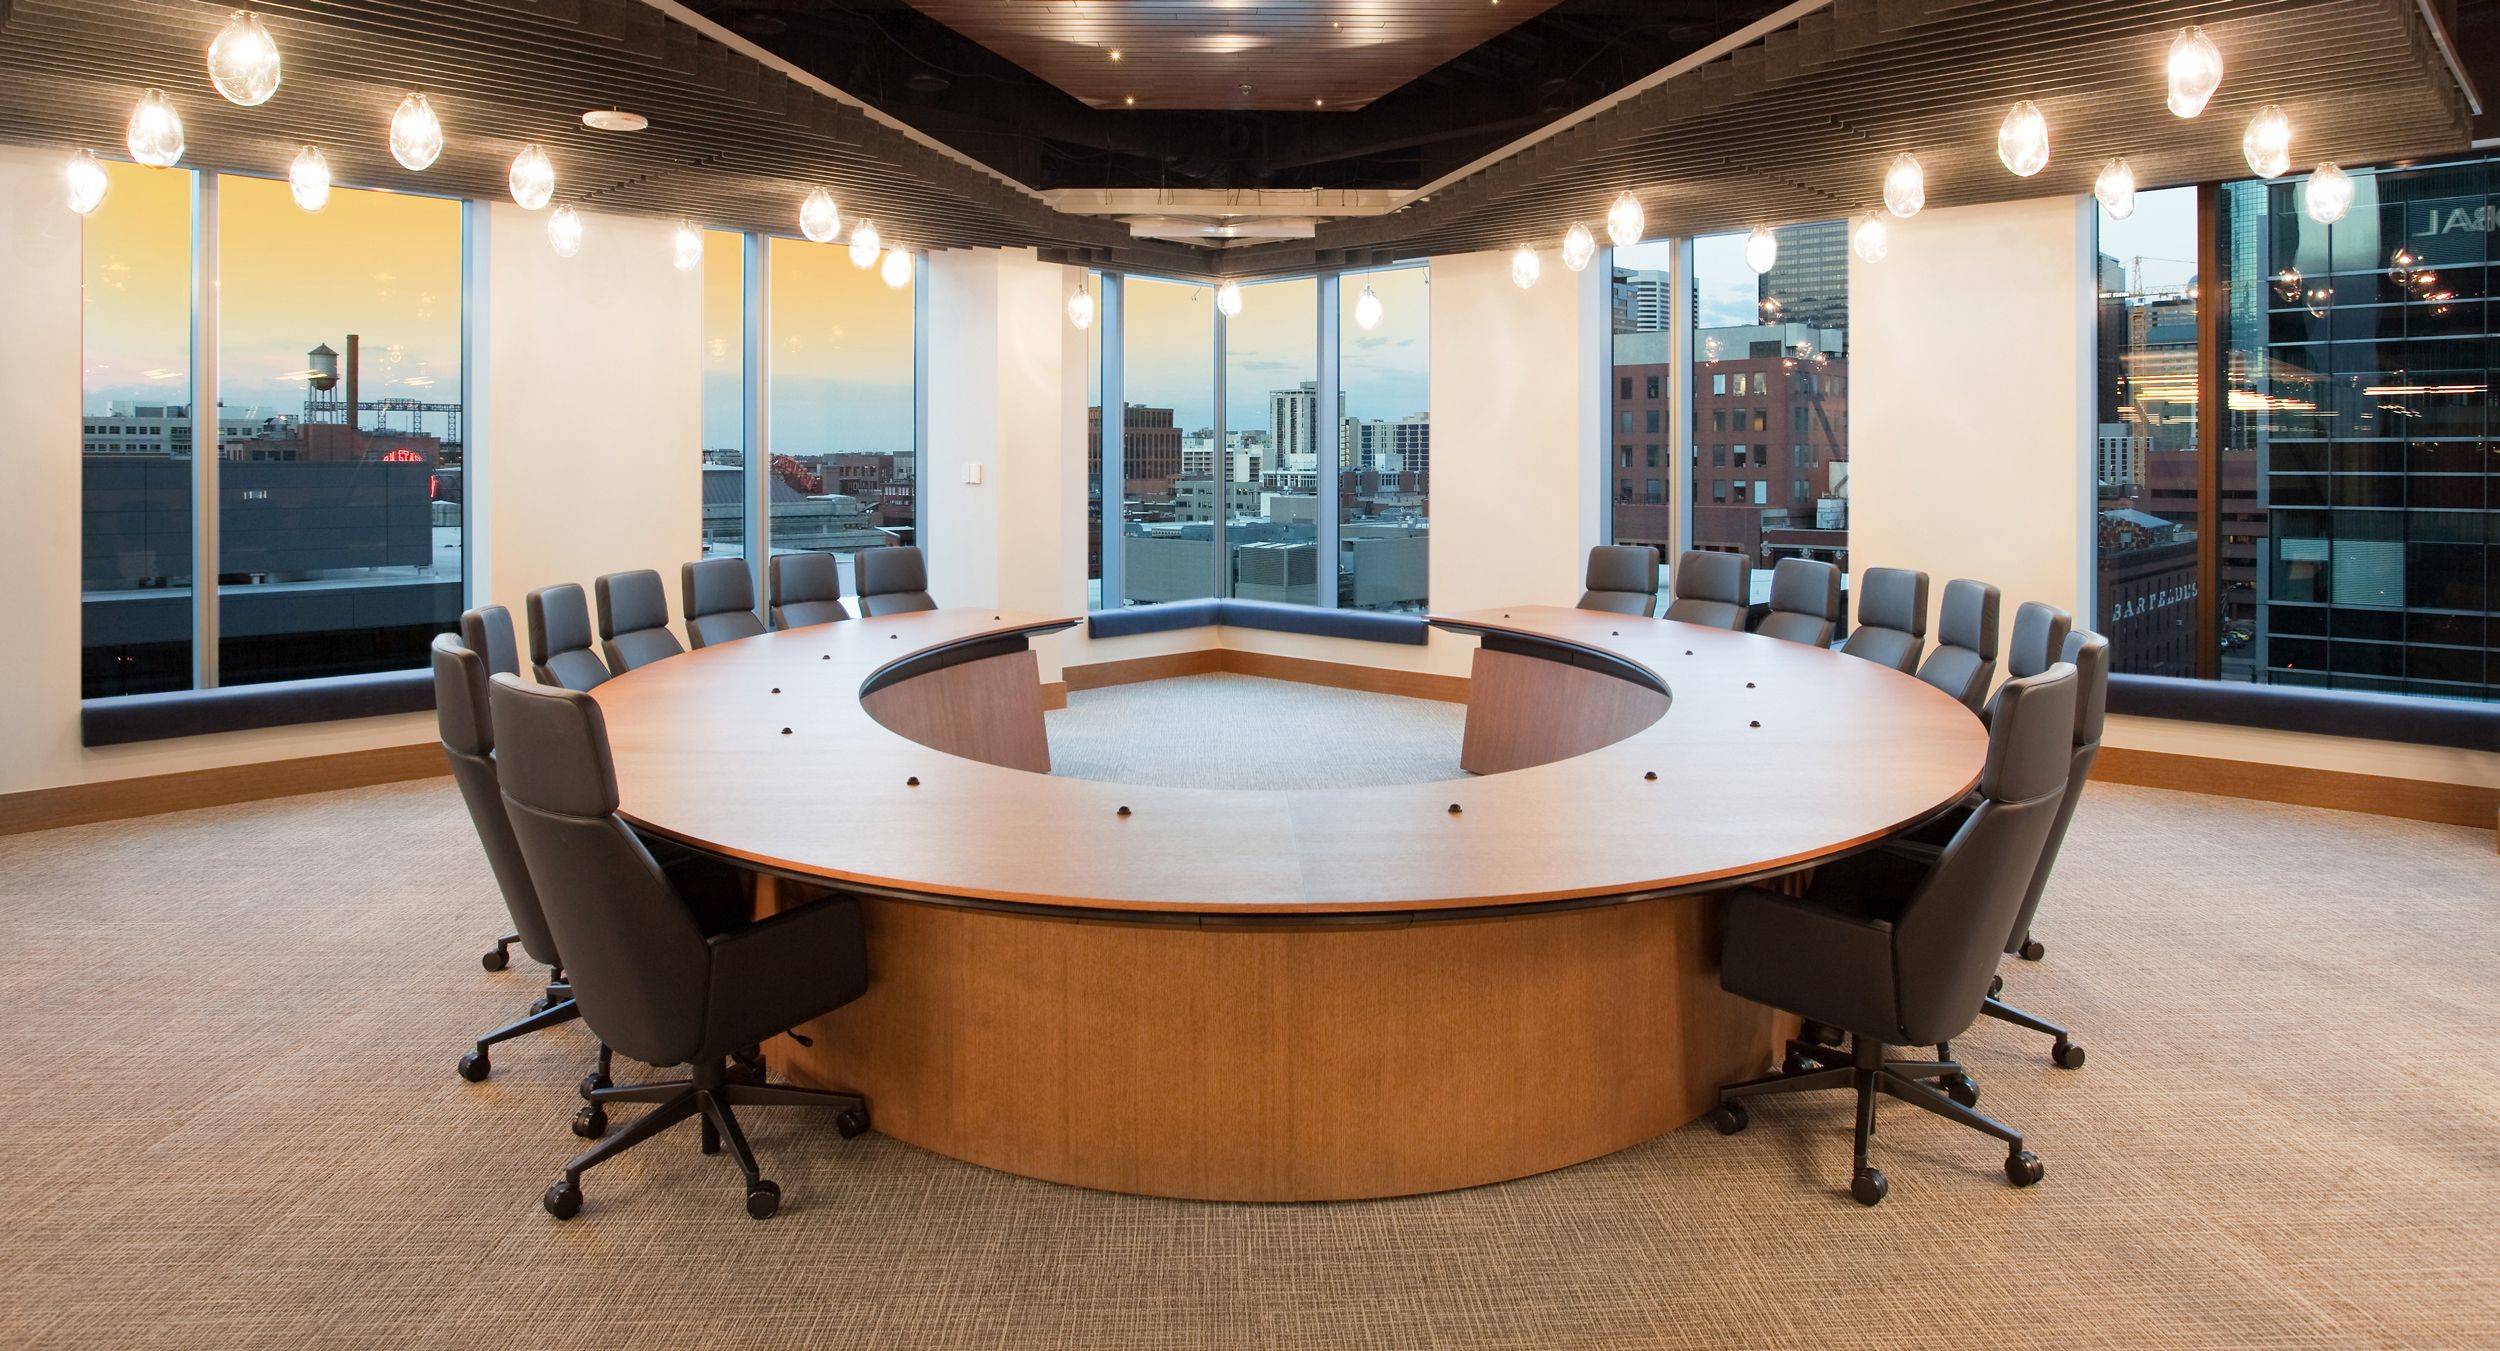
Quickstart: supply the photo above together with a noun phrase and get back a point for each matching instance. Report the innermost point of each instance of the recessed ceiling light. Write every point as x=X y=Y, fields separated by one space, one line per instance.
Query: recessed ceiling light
x=614 y=119
x=1115 y=53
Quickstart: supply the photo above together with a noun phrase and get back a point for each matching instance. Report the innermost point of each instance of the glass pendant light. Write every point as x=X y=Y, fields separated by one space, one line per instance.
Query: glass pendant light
x=2195 y=71
x=416 y=133
x=533 y=177
x=1228 y=298
x=155 y=130
x=689 y=246
x=1762 y=249
x=1081 y=307
x=1624 y=220
x=1905 y=185
x=1870 y=239
x=564 y=231
x=1367 y=309
x=243 y=60
x=2023 y=140
x=2267 y=143
x=896 y=269
x=865 y=245
x=2328 y=193
x=2116 y=188
x=1525 y=267
x=818 y=219
x=1579 y=246
x=308 y=178
x=87 y=183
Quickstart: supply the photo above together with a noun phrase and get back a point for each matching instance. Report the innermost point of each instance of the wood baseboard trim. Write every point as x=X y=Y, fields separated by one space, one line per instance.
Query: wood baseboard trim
x=1234 y=661
x=2455 y=804
x=81 y=804
x=1137 y=670
x=1054 y=694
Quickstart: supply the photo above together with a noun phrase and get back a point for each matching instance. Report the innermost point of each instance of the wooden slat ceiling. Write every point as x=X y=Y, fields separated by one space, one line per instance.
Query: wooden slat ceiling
x=1275 y=55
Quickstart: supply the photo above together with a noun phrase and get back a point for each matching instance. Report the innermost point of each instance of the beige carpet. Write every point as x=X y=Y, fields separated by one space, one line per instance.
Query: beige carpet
x=235 y=1123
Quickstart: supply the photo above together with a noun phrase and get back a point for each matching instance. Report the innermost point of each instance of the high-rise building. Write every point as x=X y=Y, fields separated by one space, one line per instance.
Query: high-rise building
x=1644 y=300
x=1292 y=420
x=1809 y=282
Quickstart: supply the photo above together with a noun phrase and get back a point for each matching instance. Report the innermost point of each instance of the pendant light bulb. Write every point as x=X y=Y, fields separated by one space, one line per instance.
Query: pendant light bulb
x=2115 y=187
x=2267 y=143
x=2328 y=193
x=1228 y=298
x=416 y=133
x=1905 y=185
x=2195 y=71
x=1367 y=309
x=1579 y=246
x=1525 y=267
x=1625 y=221
x=896 y=269
x=243 y=60
x=1762 y=249
x=155 y=136
x=688 y=246
x=865 y=245
x=819 y=220
x=564 y=231
x=308 y=178
x=1870 y=239
x=87 y=183
x=533 y=177
x=2023 y=140
x=1081 y=307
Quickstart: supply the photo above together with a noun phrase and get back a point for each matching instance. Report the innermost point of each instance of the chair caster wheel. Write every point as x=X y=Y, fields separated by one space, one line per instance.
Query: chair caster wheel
x=1996 y=986
x=563 y=1199
x=1795 y=1062
x=495 y=960
x=1960 y=1088
x=852 y=1122
x=763 y=1199
x=2022 y=1168
x=2031 y=951
x=1869 y=1186
x=591 y=1122
x=1728 y=1118
x=2068 y=1055
x=474 y=1067
x=593 y=1082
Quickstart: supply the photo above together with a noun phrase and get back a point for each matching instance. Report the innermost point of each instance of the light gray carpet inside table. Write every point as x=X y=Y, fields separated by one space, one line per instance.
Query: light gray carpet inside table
x=1238 y=731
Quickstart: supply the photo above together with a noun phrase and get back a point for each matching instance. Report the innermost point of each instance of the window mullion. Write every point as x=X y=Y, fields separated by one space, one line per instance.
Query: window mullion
x=204 y=477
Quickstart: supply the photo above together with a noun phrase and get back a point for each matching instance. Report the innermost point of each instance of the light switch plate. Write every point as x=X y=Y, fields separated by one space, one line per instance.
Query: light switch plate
x=972 y=473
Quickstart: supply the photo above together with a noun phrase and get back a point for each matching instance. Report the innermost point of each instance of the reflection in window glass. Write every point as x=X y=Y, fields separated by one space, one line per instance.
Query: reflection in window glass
x=1384 y=441
x=340 y=436
x=845 y=466
x=1272 y=426
x=724 y=457
x=2147 y=464
x=135 y=583
x=1167 y=518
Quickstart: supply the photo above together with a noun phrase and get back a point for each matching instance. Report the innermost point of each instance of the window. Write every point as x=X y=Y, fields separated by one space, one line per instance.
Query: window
x=1652 y=424
x=1650 y=386
x=1167 y=440
x=1779 y=338
x=723 y=463
x=1642 y=300
x=1652 y=452
x=1094 y=338
x=845 y=422
x=1273 y=431
x=1386 y=465
x=1650 y=491
x=1718 y=384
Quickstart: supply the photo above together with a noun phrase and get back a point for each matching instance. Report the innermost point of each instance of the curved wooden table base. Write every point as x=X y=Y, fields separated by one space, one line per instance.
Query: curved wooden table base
x=1302 y=1064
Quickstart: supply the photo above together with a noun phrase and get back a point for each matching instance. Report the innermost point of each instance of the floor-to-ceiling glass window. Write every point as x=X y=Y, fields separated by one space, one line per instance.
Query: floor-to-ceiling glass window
x=1273 y=426
x=1170 y=454
x=135 y=574
x=2147 y=460
x=724 y=452
x=340 y=430
x=1384 y=493
x=1640 y=398
x=1095 y=323
x=845 y=452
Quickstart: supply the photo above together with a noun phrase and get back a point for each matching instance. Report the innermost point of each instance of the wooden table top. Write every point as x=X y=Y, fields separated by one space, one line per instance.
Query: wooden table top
x=1846 y=752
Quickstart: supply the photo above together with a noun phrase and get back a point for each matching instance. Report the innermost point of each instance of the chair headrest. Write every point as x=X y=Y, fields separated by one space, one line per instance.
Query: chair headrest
x=1968 y=617
x=1623 y=567
x=487 y=631
x=2039 y=638
x=460 y=697
x=2031 y=737
x=889 y=570
x=1804 y=586
x=1893 y=598
x=631 y=601
x=552 y=752
x=1701 y=574
x=712 y=586
x=805 y=577
x=2088 y=653
x=559 y=620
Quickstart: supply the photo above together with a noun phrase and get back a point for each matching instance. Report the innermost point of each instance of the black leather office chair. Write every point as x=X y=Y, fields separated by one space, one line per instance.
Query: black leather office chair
x=892 y=581
x=559 y=625
x=1899 y=952
x=633 y=619
x=1805 y=603
x=1965 y=659
x=807 y=589
x=1622 y=579
x=2037 y=643
x=460 y=712
x=719 y=600
x=1891 y=628
x=1711 y=588
x=487 y=631
x=653 y=978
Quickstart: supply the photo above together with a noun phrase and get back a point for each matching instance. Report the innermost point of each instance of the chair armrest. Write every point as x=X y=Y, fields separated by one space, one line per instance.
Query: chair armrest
x=1825 y=964
x=775 y=973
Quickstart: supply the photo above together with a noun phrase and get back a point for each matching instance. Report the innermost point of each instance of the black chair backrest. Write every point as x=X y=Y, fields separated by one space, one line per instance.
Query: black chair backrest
x=633 y=620
x=719 y=599
x=892 y=581
x=1711 y=588
x=1891 y=629
x=1965 y=659
x=638 y=963
x=2088 y=653
x=2037 y=643
x=468 y=732
x=1950 y=935
x=1622 y=579
x=1805 y=602
x=559 y=625
x=807 y=589
x=487 y=631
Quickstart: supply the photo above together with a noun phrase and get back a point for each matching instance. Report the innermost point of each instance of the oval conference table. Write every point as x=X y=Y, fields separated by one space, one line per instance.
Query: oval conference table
x=1303 y=994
